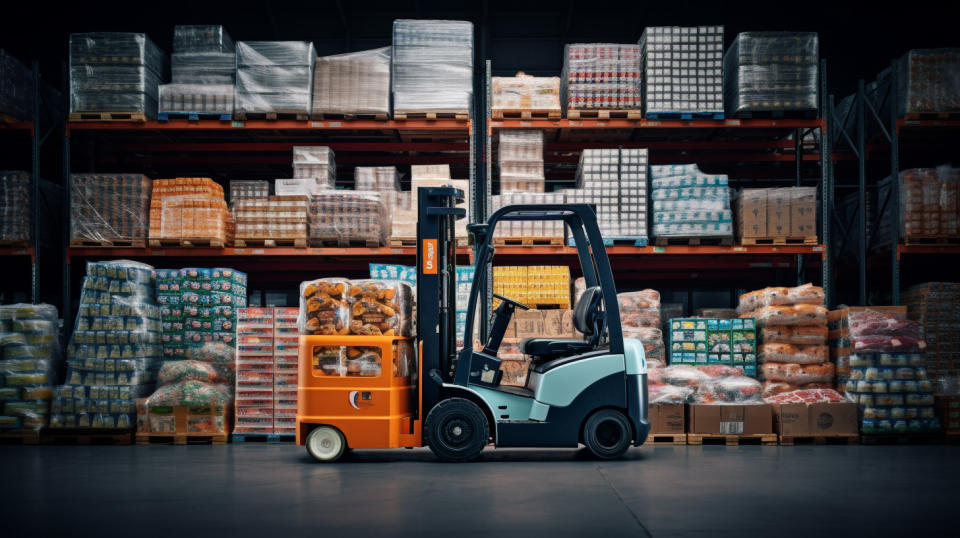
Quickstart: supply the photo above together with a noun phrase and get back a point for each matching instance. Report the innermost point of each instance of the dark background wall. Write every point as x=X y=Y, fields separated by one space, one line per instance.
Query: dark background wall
x=858 y=39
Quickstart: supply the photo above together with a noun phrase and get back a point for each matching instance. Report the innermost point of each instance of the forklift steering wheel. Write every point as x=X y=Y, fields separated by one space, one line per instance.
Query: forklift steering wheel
x=511 y=301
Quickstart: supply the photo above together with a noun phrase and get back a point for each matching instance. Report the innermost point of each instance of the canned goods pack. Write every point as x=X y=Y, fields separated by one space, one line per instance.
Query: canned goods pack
x=893 y=391
x=769 y=71
x=682 y=69
x=602 y=75
x=15 y=215
x=115 y=72
x=29 y=355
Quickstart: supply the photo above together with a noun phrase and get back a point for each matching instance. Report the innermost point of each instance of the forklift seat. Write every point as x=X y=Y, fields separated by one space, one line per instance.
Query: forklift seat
x=587 y=318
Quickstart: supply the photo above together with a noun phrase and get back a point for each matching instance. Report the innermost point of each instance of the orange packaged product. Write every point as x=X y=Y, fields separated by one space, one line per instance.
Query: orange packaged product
x=798 y=374
x=380 y=307
x=323 y=307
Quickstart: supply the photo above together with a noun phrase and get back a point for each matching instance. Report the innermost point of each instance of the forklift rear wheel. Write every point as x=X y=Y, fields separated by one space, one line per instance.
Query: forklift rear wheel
x=607 y=434
x=326 y=444
x=456 y=430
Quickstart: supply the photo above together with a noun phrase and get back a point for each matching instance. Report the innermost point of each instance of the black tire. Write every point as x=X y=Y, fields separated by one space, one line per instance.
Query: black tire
x=607 y=434
x=456 y=430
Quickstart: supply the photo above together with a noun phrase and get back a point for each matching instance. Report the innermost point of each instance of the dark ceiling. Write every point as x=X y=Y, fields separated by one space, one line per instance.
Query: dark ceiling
x=858 y=40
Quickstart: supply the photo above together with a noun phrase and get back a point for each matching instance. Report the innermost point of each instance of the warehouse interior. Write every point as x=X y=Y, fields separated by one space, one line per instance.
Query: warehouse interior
x=215 y=236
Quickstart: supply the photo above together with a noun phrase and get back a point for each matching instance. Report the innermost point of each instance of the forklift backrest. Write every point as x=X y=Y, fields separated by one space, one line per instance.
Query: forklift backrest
x=587 y=312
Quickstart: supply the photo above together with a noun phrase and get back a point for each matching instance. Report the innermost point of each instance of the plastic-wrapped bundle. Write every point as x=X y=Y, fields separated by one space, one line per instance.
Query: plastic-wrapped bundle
x=274 y=77
x=806 y=294
x=729 y=390
x=109 y=207
x=798 y=374
x=189 y=207
x=15 y=214
x=872 y=330
x=241 y=189
x=772 y=388
x=16 y=88
x=799 y=335
x=218 y=68
x=114 y=352
x=949 y=178
x=686 y=190
x=376 y=178
x=115 y=72
x=521 y=161
x=601 y=75
x=380 y=308
x=315 y=162
x=928 y=81
x=668 y=87
x=29 y=357
x=615 y=182
x=523 y=92
x=774 y=352
x=324 y=308
x=432 y=65
x=201 y=38
x=204 y=98
x=771 y=71
x=354 y=83
x=527 y=228
x=346 y=216
x=639 y=308
x=806 y=396
x=277 y=217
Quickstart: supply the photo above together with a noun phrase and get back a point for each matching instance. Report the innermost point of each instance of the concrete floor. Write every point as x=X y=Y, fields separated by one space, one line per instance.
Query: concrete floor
x=276 y=490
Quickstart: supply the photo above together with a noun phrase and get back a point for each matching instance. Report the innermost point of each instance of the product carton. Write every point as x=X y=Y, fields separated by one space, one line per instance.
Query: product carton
x=752 y=213
x=730 y=419
x=816 y=419
x=778 y=212
x=666 y=418
x=803 y=212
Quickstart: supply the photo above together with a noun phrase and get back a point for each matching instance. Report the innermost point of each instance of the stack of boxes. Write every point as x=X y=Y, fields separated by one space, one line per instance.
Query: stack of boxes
x=188 y=208
x=539 y=95
x=714 y=341
x=601 y=76
x=682 y=71
x=286 y=340
x=314 y=169
x=342 y=218
x=552 y=230
x=432 y=65
x=115 y=72
x=521 y=161
x=615 y=182
x=384 y=180
x=929 y=202
x=936 y=306
x=352 y=84
x=274 y=77
x=533 y=285
x=432 y=175
x=776 y=213
x=16 y=89
x=771 y=72
x=109 y=207
x=688 y=203
x=254 y=398
x=15 y=209
x=927 y=82
x=281 y=218
x=241 y=189
x=202 y=68
x=553 y=323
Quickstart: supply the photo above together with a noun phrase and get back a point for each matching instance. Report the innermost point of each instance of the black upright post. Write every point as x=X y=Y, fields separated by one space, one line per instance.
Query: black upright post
x=860 y=105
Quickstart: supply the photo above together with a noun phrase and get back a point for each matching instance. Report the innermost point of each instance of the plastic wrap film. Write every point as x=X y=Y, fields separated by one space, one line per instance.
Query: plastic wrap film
x=771 y=71
x=380 y=308
x=601 y=75
x=29 y=361
x=192 y=38
x=15 y=214
x=241 y=189
x=254 y=397
x=315 y=162
x=806 y=294
x=114 y=352
x=703 y=384
x=615 y=182
x=109 y=207
x=682 y=69
x=16 y=88
x=218 y=68
x=198 y=312
x=420 y=179
x=929 y=202
x=929 y=81
x=276 y=217
x=324 y=309
x=115 y=72
x=188 y=208
x=712 y=341
x=382 y=179
x=894 y=392
x=432 y=64
x=204 y=98
x=680 y=193
x=520 y=158
x=876 y=331
x=533 y=285
x=527 y=228
x=640 y=319
x=936 y=305
x=523 y=92
x=274 y=76
x=348 y=216
x=354 y=83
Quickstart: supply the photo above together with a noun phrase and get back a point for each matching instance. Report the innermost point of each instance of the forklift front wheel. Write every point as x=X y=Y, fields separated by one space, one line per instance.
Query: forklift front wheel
x=456 y=430
x=326 y=444
x=607 y=434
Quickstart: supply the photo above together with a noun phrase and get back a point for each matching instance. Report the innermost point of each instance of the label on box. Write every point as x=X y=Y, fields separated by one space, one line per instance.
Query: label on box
x=731 y=428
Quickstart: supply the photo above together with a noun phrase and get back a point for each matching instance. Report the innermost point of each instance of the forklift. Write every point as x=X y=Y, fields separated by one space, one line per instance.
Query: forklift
x=591 y=391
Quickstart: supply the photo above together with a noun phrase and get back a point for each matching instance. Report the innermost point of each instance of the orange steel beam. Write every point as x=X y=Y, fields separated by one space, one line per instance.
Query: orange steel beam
x=200 y=252
x=927 y=249
x=658 y=124
x=279 y=125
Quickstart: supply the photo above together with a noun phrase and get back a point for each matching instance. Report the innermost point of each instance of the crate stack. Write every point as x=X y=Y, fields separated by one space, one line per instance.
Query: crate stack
x=188 y=211
x=15 y=214
x=927 y=83
x=526 y=97
x=640 y=319
x=602 y=77
x=534 y=285
x=16 y=89
x=528 y=232
x=115 y=75
x=615 y=182
x=274 y=78
x=404 y=218
x=29 y=359
x=936 y=306
x=203 y=74
x=772 y=73
x=109 y=209
x=242 y=189
x=316 y=163
x=432 y=68
x=929 y=204
x=348 y=86
x=521 y=161
x=689 y=205
x=286 y=340
x=345 y=218
x=382 y=179
x=682 y=72
x=254 y=398
x=703 y=341
x=272 y=221
x=776 y=216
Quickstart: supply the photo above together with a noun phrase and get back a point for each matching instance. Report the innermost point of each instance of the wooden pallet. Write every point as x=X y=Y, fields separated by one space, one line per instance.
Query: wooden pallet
x=300 y=242
x=85 y=243
x=192 y=438
x=526 y=114
x=656 y=116
x=349 y=117
x=263 y=437
x=777 y=114
x=901 y=438
x=20 y=437
x=86 y=437
x=604 y=114
x=693 y=241
x=109 y=116
x=187 y=242
x=749 y=241
x=666 y=439
x=412 y=242
x=843 y=439
x=271 y=116
x=531 y=241
x=765 y=439
x=343 y=243
x=613 y=241
x=194 y=116
x=930 y=240
x=458 y=115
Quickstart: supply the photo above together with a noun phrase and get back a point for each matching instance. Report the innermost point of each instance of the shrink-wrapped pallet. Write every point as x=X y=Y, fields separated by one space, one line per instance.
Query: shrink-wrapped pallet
x=354 y=83
x=524 y=92
x=928 y=82
x=689 y=203
x=16 y=88
x=29 y=360
x=188 y=208
x=521 y=161
x=601 y=76
x=771 y=71
x=432 y=65
x=344 y=217
x=315 y=162
x=109 y=207
x=274 y=77
x=115 y=72
x=15 y=213
x=682 y=70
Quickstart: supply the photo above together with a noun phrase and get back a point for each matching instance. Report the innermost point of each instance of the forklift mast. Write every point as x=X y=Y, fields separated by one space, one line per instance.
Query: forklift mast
x=436 y=288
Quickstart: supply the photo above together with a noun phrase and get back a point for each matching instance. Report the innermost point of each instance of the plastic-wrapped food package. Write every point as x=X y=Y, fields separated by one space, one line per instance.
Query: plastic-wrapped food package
x=109 y=207
x=771 y=388
x=363 y=361
x=731 y=389
x=353 y=83
x=203 y=55
x=798 y=374
x=872 y=330
x=601 y=76
x=806 y=294
x=202 y=98
x=928 y=81
x=524 y=92
x=315 y=162
x=790 y=315
x=29 y=358
x=521 y=161
x=798 y=335
x=188 y=208
x=176 y=371
x=683 y=195
x=614 y=181
x=115 y=72
x=15 y=214
x=198 y=313
x=16 y=88
x=666 y=85
x=277 y=217
x=949 y=178
x=771 y=71
x=720 y=370
x=348 y=216
x=670 y=394
x=114 y=352
x=806 y=396
x=201 y=38
x=639 y=308
x=382 y=179
x=894 y=392
x=800 y=354
x=380 y=308
x=274 y=77
x=216 y=68
x=323 y=307
x=683 y=375
x=432 y=63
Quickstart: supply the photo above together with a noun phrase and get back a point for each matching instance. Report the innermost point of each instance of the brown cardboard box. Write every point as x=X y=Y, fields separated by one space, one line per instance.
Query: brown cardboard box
x=818 y=419
x=566 y=321
x=752 y=213
x=553 y=323
x=730 y=419
x=529 y=323
x=514 y=372
x=803 y=212
x=778 y=212
x=666 y=418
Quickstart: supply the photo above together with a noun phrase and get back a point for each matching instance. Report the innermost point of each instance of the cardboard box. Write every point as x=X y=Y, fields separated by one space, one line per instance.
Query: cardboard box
x=553 y=323
x=529 y=323
x=566 y=321
x=817 y=419
x=778 y=212
x=803 y=212
x=667 y=418
x=730 y=419
x=514 y=372
x=752 y=213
